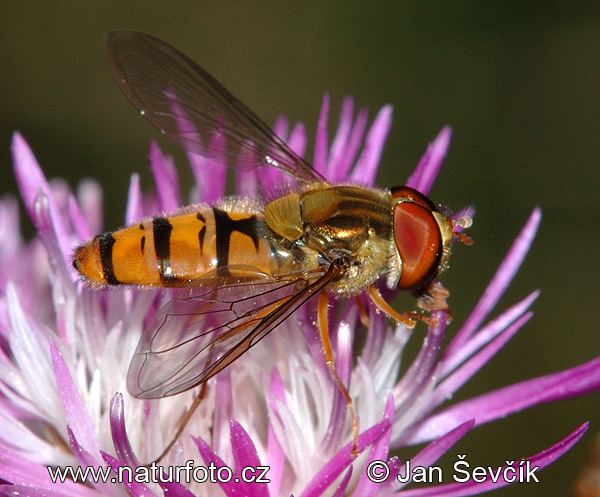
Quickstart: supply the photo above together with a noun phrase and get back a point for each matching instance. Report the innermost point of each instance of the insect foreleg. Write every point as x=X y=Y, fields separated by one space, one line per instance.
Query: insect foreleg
x=384 y=307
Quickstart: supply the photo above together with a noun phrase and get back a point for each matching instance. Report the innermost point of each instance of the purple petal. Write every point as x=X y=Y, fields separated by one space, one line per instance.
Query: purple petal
x=506 y=272
x=271 y=176
x=312 y=338
x=29 y=348
x=10 y=227
x=33 y=478
x=339 y=462
x=366 y=168
x=80 y=224
x=340 y=491
x=343 y=365
x=440 y=446
x=86 y=460
x=223 y=412
x=378 y=452
x=472 y=487
x=59 y=262
x=245 y=455
x=485 y=334
x=436 y=449
x=29 y=491
x=424 y=176
x=246 y=182
x=16 y=433
x=275 y=454
x=335 y=171
x=377 y=332
x=231 y=488
x=281 y=127
x=321 y=138
x=165 y=179
x=119 y=433
x=216 y=173
x=418 y=380
x=76 y=413
x=89 y=197
x=32 y=183
x=297 y=140
x=174 y=489
x=291 y=434
x=135 y=209
x=136 y=488
x=353 y=146
x=209 y=175
x=579 y=380
x=277 y=388
x=211 y=186
x=457 y=379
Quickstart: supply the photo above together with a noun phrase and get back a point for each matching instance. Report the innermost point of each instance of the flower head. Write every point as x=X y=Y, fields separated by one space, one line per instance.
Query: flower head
x=65 y=349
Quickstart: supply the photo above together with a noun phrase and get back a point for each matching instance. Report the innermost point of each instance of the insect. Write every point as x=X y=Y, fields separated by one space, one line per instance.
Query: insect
x=245 y=266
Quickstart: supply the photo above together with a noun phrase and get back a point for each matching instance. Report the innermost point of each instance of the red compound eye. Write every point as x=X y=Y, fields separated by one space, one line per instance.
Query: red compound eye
x=408 y=194
x=419 y=242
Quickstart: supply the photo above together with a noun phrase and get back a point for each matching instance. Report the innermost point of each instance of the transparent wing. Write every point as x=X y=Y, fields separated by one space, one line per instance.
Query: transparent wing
x=203 y=330
x=188 y=105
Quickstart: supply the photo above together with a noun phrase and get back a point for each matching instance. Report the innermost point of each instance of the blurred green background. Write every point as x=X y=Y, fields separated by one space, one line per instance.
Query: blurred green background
x=518 y=82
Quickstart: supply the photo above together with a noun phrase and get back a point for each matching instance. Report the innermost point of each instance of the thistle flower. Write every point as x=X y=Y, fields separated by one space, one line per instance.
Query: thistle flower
x=65 y=349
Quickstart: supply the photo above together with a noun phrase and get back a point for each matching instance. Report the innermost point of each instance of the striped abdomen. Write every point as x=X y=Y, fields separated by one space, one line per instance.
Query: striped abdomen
x=175 y=250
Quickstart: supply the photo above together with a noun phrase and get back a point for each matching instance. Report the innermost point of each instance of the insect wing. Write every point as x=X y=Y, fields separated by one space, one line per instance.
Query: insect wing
x=203 y=330
x=188 y=105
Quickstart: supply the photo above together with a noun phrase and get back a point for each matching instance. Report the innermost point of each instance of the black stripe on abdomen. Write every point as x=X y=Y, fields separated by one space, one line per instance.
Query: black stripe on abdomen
x=162 y=229
x=105 y=246
x=202 y=232
x=225 y=226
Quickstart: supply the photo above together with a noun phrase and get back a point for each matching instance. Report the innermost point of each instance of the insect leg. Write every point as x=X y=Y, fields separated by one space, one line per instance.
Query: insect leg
x=184 y=421
x=364 y=315
x=433 y=299
x=384 y=307
x=324 y=330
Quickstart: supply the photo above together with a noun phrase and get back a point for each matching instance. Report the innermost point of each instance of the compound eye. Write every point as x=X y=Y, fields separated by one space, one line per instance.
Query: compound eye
x=408 y=194
x=419 y=243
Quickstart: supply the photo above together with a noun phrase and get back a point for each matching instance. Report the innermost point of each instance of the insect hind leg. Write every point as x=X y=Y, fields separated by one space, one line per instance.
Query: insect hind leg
x=182 y=424
x=323 y=305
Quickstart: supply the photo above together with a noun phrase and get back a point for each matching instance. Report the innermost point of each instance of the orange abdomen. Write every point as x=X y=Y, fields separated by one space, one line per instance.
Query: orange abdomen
x=175 y=250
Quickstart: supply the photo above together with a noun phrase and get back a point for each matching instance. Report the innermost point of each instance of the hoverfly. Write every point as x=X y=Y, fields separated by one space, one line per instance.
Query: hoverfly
x=245 y=266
